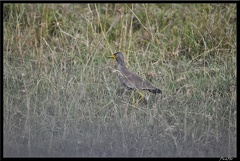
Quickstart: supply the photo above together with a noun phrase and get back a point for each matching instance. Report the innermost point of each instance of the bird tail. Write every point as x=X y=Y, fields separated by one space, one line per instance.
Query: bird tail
x=155 y=90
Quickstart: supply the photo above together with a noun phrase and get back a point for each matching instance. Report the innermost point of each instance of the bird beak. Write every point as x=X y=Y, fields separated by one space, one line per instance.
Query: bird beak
x=112 y=56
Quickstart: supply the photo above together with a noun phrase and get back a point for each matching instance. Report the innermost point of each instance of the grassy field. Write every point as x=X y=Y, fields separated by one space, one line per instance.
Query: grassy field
x=62 y=97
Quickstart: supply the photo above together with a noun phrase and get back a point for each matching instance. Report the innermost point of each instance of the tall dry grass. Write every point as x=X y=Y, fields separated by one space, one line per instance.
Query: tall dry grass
x=62 y=97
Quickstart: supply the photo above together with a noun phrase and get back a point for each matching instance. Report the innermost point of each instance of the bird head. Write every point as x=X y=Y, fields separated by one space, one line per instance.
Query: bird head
x=119 y=57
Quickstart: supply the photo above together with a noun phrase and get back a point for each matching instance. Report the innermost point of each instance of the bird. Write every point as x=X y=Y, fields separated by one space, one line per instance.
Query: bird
x=131 y=80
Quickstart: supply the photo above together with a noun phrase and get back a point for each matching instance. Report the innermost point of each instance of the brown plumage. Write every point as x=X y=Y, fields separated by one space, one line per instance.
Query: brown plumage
x=130 y=79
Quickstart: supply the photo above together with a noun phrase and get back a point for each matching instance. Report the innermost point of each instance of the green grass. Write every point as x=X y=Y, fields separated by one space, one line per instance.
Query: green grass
x=62 y=95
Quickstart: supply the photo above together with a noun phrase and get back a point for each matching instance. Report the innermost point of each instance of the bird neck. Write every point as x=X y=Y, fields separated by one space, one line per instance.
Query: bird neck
x=121 y=63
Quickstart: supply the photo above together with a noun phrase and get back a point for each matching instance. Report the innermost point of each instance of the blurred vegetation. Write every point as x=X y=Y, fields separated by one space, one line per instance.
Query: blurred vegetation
x=61 y=92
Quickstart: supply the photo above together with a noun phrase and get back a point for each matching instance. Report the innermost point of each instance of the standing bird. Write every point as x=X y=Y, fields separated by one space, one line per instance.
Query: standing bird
x=130 y=79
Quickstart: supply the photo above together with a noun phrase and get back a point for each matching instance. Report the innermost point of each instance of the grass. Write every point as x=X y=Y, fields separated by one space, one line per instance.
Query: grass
x=62 y=96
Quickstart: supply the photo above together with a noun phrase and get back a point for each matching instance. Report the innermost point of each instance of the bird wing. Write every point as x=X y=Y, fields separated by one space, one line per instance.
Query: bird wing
x=132 y=80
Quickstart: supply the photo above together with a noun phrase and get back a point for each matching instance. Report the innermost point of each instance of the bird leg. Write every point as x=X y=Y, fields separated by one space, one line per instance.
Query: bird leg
x=142 y=96
x=133 y=97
